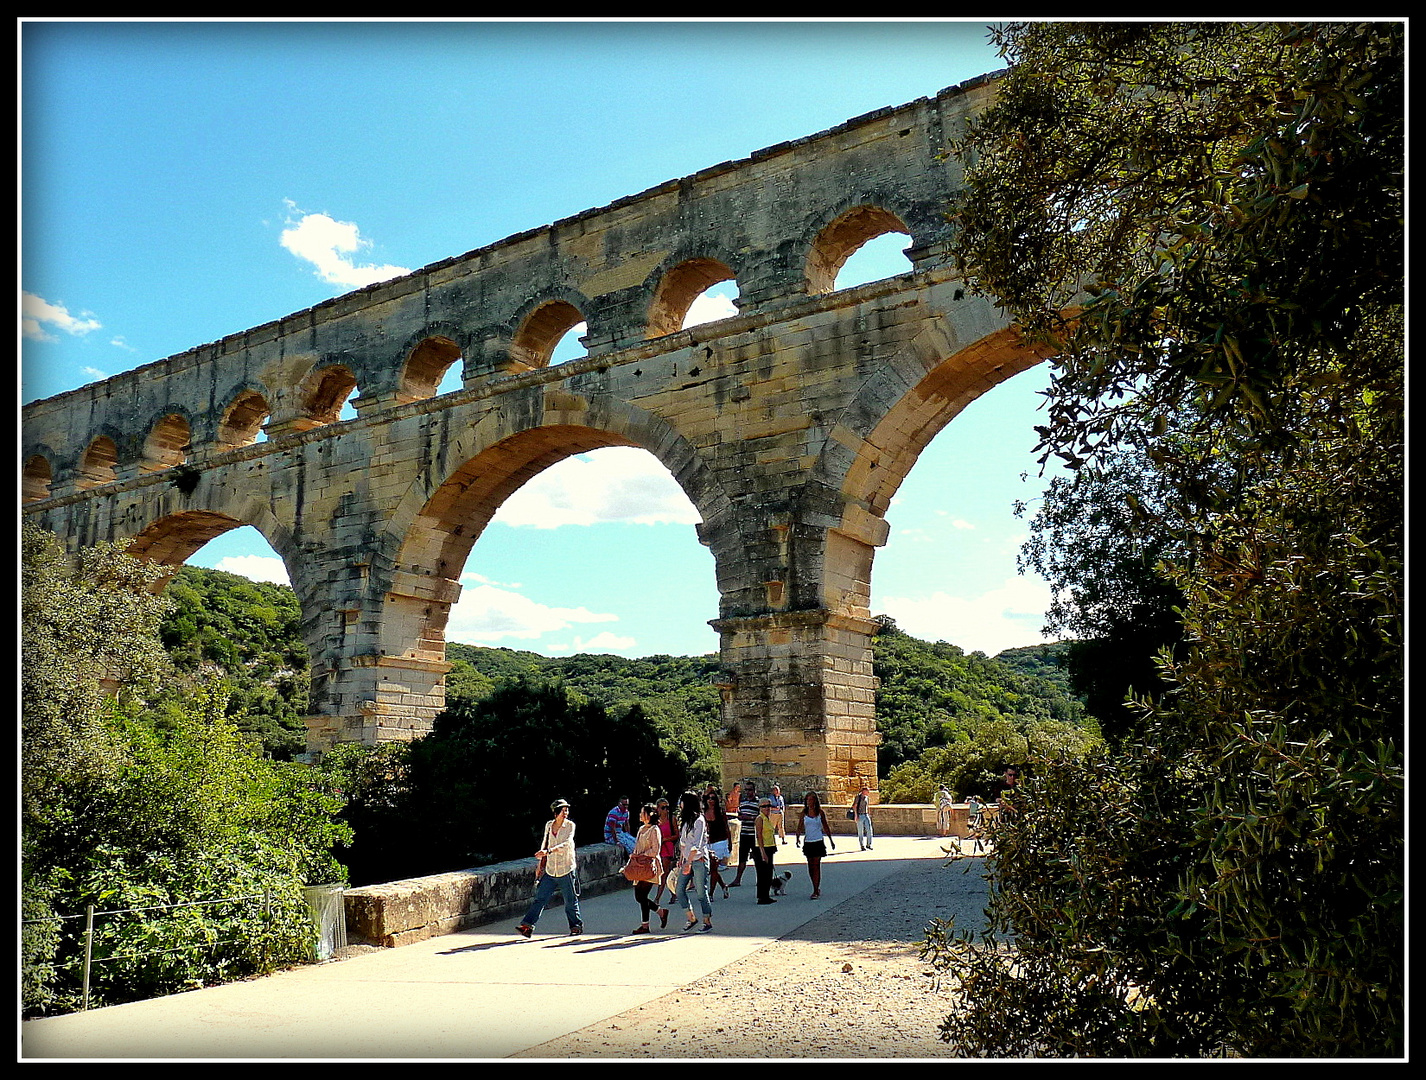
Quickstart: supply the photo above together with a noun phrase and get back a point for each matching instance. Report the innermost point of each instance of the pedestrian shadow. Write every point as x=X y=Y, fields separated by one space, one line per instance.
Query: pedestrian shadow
x=622 y=942
x=482 y=946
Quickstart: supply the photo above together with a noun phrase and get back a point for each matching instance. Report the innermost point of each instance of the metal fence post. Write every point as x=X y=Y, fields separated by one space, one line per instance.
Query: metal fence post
x=88 y=950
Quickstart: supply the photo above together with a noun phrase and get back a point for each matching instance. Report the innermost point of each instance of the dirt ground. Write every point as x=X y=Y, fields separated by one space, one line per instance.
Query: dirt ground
x=849 y=984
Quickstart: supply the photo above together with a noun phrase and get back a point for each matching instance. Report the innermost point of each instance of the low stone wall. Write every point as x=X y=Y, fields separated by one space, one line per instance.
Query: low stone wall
x=891 y=819
x=403 y=912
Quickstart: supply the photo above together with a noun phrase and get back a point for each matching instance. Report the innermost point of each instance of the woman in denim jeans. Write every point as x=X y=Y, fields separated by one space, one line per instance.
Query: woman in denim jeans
x=557 y=873
x=693 y=861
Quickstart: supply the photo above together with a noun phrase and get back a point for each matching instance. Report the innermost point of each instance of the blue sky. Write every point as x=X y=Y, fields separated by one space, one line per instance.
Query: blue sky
x=186 y=180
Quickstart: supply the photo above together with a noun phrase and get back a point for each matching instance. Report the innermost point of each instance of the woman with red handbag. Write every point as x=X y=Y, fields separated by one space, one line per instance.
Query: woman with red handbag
x=645 y=868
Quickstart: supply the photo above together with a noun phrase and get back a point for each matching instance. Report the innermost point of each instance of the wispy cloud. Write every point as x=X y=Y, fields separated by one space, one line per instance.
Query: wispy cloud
x=1005 y=617
x=255 y=567
x=486 y=614
x=602 y=642
x=710 y=307
x=37 y=314
x=330 y=246
x=620 y=483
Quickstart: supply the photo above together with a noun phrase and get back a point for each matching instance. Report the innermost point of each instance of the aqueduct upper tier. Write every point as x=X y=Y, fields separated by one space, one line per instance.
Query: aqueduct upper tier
x=789 y=425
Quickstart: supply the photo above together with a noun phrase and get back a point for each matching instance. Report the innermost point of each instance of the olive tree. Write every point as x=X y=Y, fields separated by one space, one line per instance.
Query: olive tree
x=1203 y=223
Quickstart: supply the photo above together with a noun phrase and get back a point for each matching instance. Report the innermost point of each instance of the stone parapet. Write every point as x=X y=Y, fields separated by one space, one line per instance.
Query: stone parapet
x=405 y=912
x=897 y=819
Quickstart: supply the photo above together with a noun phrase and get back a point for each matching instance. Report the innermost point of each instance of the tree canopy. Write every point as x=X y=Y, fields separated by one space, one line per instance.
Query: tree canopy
x=1202 y=226
x=138 y=792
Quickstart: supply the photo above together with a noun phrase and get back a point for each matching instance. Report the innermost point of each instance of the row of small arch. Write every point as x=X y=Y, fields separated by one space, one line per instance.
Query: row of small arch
x=329 y=385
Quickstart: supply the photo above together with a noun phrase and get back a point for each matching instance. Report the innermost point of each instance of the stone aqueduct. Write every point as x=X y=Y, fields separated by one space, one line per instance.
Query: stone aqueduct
x=789 y=426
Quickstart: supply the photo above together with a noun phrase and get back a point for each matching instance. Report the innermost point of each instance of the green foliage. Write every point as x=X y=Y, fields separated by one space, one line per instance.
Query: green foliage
x=674 y=692
x=252 y=633
x=1093 y=538
x=147 y=808
x=1232 y=194
x=85 y=624
x=935 y=696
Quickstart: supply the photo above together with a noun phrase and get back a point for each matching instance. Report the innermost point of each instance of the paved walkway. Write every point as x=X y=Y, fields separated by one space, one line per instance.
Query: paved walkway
x=481 y=993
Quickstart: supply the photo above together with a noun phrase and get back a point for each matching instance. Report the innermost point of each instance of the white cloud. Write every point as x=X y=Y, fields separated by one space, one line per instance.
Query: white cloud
x=94 y=373
x=36 y=313
x=255 y=567
x=486 y=614
x=603 y=642
x=709 y=307
x=1006 y=617
x=620 y=483
x=470 y=576
x=329 y=245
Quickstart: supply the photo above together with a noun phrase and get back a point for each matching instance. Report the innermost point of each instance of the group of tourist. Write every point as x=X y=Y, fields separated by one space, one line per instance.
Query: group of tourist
x=676 y=855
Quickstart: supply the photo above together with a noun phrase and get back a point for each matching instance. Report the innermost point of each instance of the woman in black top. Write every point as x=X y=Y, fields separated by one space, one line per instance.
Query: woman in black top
x=717 y=819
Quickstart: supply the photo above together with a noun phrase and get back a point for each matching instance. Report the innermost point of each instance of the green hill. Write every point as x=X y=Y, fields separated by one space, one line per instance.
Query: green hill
x=932 y=694
x=251 y=632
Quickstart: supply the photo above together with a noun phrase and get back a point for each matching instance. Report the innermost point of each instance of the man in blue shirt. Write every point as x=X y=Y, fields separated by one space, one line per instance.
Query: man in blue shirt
x=616 y=827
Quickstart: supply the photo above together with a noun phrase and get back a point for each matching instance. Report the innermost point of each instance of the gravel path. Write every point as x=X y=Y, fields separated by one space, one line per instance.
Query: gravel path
x=848 y=984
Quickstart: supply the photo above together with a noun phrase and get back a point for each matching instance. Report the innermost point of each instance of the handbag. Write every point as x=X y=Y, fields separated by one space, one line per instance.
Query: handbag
x=643 y=868
x=540 y=862
x=672 y=880
x=851 y=815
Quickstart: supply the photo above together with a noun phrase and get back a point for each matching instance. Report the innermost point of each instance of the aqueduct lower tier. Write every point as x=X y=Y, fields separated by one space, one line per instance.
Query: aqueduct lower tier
x=790 y=426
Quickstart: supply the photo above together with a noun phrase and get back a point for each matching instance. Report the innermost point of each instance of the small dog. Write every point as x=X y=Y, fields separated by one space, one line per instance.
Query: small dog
x=778 y=886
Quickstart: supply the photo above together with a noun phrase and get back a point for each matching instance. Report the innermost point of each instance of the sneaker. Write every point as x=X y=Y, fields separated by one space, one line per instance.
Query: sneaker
x=524 y=929
x=706 y=928
x=767 y=901
x=689 y=926
x=663 y=918
x=639 y=930
x=575 y=931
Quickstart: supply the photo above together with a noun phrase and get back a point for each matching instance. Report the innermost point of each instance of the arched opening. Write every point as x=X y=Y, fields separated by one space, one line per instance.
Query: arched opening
x=881 y=257
x=232 y=611
x=689 y=294
x=98 y=464
x=242 y=421
x=35 y=480
x=172 y=540
x=836 y=243
x=596 y=554
x=325 y=394
x=427 y=368
x=949 y=570
x=545 y=336
x=167 y=444
x=575 y=529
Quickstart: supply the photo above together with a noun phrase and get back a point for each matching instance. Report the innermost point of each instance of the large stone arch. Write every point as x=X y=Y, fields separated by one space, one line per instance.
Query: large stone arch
x=893 y=418
x=419 y=555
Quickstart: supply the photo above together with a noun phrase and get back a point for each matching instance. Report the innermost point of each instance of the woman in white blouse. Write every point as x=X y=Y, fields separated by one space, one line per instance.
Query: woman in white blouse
x=556 y=871
x=693 y=861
